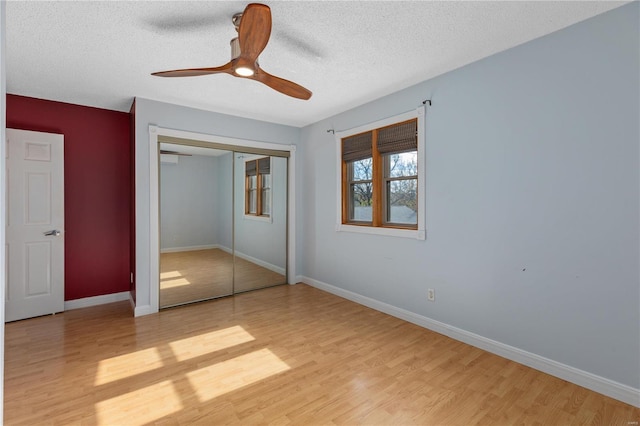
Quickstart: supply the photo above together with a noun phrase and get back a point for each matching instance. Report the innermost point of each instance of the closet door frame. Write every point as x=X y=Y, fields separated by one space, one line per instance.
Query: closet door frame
x=160 y=134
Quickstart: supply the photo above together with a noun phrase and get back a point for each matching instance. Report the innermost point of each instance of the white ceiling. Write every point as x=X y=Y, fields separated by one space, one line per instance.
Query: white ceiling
x=347 y=53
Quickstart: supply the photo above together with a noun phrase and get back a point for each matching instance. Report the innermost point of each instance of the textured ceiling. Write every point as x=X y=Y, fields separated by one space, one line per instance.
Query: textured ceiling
x=347 y=53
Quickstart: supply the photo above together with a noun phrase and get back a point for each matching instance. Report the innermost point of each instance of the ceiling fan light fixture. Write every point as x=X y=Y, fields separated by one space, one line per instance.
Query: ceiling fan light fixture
x=241 y=68
x=244 y=71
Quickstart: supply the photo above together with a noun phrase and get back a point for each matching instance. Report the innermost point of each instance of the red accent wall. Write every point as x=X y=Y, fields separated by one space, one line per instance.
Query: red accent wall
x=97 y=175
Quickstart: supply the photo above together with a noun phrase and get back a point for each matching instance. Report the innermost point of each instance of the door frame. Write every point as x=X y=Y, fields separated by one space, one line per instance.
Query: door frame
x=154 y=207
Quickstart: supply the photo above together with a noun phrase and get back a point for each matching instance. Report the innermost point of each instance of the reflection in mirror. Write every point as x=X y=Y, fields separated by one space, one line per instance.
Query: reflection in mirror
x=196 y=261
x=260 y=221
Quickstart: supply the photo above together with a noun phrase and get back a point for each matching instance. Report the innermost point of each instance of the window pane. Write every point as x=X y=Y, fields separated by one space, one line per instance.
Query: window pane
x=266 y=181
x=362 y=169
x=361 y=199
x=402 y=164
x=253 y=202
x=266 y=202
x=402 y=201
x=253 y=182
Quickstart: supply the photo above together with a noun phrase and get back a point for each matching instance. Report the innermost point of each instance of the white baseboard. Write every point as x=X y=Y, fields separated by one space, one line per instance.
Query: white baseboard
x=599 y=384
x=225 y=249
x=262 y=263
x=132 y=303
x=189 y=248
x=96 y=300
x=139 y=311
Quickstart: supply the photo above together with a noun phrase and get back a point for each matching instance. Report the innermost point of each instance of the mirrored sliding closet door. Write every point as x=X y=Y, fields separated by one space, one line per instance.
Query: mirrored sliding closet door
x=196 y=259
x=223 y=222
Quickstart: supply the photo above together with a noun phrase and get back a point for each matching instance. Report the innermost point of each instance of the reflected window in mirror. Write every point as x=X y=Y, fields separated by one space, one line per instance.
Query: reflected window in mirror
x=258 y=187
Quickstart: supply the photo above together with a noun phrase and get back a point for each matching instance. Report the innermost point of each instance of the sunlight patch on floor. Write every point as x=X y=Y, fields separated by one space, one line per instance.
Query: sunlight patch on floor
x=178 y=282
x=172 y=279
x=118 y=410
x=203 y=344
x=162 y=399
x=170 y=274
x=127 y=365
x=218 y=379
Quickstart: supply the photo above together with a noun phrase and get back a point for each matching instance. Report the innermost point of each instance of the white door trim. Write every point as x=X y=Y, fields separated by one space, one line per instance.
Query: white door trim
x=154 y=214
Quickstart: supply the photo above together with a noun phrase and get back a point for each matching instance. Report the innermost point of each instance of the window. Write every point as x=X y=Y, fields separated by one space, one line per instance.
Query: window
x=258 y=187
x=381 y=177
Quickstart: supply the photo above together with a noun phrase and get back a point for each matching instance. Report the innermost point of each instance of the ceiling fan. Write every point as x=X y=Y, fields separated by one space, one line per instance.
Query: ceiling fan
x=254 y=29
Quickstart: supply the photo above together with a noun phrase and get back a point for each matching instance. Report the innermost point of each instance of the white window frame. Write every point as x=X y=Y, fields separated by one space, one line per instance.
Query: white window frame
x=246 y=216
x=420 y=233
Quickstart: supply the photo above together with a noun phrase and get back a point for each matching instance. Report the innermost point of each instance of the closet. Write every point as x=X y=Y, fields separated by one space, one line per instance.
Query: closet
x=223 y=220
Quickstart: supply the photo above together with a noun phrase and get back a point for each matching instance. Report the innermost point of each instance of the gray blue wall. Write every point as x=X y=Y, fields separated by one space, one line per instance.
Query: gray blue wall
x=224 y=211
x=189 y=202
x=532 y=205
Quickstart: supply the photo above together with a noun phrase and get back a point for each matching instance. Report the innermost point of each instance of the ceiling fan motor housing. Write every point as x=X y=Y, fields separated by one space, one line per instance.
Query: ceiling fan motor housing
x=235 y=49
x=235 y=42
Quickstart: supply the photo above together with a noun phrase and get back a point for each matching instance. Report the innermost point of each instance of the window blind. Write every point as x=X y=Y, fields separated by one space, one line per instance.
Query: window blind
x=357 y=147
x=400 y=137
x=250 y=168
x=264 y=166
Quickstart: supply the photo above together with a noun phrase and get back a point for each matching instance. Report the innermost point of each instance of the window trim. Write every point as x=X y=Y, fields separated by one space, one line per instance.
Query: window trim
x=251 y=216
x=420 y=232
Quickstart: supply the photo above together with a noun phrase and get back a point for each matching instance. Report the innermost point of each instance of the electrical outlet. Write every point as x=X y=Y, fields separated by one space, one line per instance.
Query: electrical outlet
x=431 y=295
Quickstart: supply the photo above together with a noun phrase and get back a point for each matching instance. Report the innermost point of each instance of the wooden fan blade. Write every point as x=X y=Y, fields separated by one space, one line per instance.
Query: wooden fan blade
x=193 y=72
x=254 y=31
x=287 y=87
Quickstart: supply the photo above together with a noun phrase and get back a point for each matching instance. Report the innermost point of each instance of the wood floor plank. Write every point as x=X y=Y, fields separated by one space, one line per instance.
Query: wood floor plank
x=287 y=355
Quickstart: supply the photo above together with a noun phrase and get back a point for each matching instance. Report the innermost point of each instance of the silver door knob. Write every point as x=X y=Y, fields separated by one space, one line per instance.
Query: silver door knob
x=52 y=233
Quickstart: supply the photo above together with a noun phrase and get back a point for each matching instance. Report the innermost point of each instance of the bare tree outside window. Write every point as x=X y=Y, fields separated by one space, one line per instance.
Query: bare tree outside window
x=402 y=187
x=361 y=189
x=363 y=171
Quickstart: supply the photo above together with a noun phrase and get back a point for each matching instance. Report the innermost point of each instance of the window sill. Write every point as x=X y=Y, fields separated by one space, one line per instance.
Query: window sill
x=258 y=218
x=390 y=232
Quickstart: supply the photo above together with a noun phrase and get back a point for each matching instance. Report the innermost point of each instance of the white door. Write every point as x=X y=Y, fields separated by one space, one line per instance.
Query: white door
x=35 y=224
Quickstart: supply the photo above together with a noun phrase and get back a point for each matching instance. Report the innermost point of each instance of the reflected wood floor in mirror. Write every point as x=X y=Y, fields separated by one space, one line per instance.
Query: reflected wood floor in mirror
x=189 y=276
x=283 y=355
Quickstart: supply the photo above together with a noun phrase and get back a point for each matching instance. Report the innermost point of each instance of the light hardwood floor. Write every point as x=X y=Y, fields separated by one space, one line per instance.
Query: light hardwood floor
x=189 y=276
x=282 y=355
